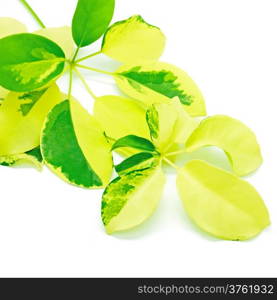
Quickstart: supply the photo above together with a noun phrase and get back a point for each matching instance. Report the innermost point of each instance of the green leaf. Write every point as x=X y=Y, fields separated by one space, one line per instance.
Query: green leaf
x=158 y=82
x=220 y=203
x=32 y=157
x=138 y=161
x=22 y=116
x=9 y=26
x=91 y=19
x=136 y=142
x=231 y=135
x=29 y=62
x=132 y=198
x=120 y=117
x=73 y=145
x=133 y=40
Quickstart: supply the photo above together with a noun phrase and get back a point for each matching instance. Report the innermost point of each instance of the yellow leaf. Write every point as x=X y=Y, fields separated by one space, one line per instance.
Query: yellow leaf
x=232 y=136
x=132 y=40
x=220 y=203
x=22 y=116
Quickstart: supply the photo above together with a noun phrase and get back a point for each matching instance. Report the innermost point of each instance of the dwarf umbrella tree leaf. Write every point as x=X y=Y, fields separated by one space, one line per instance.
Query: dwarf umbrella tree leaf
x=133 y=40
x=22 y=116
x=157 y=82
x=74 y=146
x=91 y=19
x=232 y=136
x=220 y=203
x=29 y=61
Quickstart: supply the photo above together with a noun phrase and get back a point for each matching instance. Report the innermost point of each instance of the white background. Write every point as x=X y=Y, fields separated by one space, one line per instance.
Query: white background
x=49 y=228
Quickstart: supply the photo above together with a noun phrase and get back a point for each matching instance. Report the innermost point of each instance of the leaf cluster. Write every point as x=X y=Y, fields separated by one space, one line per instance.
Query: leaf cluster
x=155 y=122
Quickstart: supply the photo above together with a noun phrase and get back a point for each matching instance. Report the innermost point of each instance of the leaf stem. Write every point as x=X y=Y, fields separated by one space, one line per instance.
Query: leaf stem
x=170 y=163
x=32 y=12
x=75 y=55
x=176 y=152
x=70 y=83
x=95 y=70
x=88 y=56
x=85 y=83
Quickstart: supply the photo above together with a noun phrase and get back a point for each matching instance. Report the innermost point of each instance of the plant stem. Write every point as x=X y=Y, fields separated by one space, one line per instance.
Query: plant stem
x=88 y=56
x=176 y=153
x=32 y=12
x=75 y=55
x=70 y=84
x=170 y=163
x=85 y=83
x=95 y=70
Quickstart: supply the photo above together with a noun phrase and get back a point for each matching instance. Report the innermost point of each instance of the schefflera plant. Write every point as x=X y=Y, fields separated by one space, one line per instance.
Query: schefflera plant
x=148 y=124
x=35 y=114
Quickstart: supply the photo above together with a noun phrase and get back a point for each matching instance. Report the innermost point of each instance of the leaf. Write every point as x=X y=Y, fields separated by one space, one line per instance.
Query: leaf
x=136 y=142
x=131 y=199
x=29 y=62
x=236 y=139
x=220 y=203
x=9 y=26
x=32 y=157
x=91 y=19
x=62 y=36
x=73 y=145
x=159 y=82
x=21 y=119
x=138 y=161
x=133 y=40
x=120 y=117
